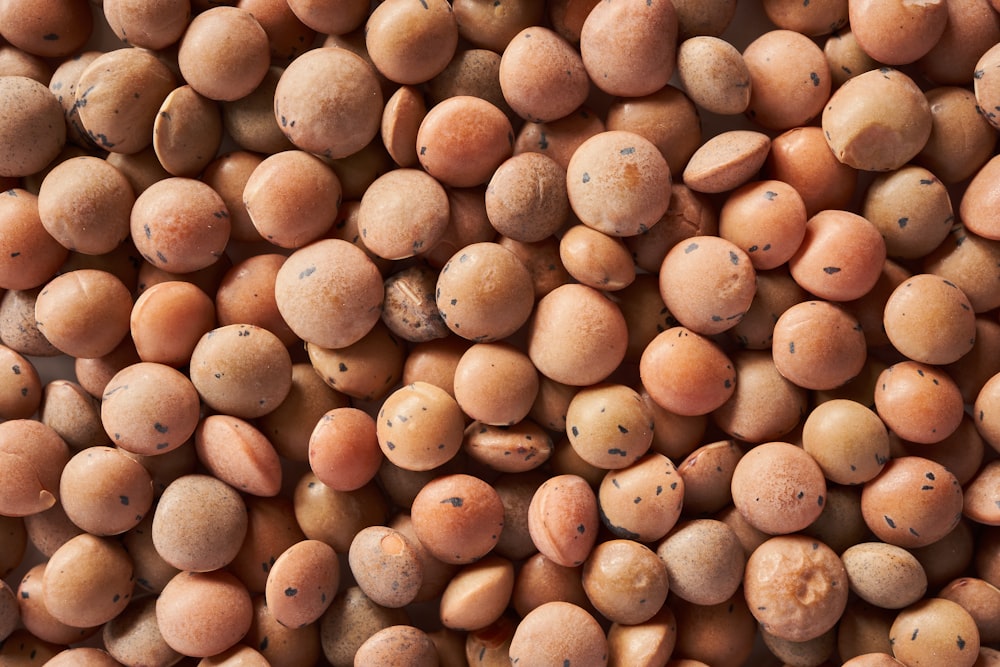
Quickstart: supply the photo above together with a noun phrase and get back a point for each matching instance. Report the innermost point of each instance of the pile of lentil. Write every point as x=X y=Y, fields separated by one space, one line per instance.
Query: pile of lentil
x=500 y=332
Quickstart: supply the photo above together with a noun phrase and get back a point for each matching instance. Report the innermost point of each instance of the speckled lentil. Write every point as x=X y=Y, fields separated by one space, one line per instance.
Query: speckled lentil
x=483 y=360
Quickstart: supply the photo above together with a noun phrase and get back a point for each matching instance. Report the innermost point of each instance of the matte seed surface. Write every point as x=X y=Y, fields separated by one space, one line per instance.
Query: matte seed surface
x=885 y=575
x=305 y=205
x=241 y=370
x=795 y=587
x=386 y=565
x=462 y=141
x=937 y=627
x=401 y=288
x=609 y=426
x=789 y=79
x=329 y=280
x=149 y=408
x=302 y=583
x=686 y=373
x=105 y=492
x=85 y=204
x=930 y=320
x=866 y=131
x=203 y=614
x=458 y=518
x=608 y=164
x=180 y=225
x=709 y=578
x=33 y=131
x=353 y=95
x=647 y=64
x=118 y=96
x=778 y=488
x=484 y=293
x=625 y=599
x=199 y=523
x=558 y=84
x=419 y=426
x=932 y=509
x=918 y=402
x=707 y=283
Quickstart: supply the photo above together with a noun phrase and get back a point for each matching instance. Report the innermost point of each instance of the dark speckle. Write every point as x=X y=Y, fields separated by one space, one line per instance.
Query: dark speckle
x=690 y=248
x=291 y=592
x=814 y=77
x=961 y=643
x=123 y=499
x=307 y=272
x=581 y=529
x=455 y=501
x=892 y=524
x=586 y=177
x=830 y=270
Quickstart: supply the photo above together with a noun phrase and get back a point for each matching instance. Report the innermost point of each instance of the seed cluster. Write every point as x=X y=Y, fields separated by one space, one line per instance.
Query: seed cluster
x=464 y=332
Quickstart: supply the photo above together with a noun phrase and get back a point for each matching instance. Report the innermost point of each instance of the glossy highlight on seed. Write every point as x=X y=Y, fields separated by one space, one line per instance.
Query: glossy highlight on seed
x=575 y=332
